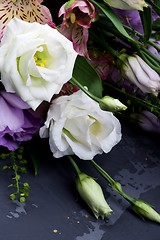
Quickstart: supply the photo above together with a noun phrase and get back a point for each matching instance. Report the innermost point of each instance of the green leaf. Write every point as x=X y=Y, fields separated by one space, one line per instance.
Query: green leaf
x=146 y=18
x=157 y=2
x=85 y=74
x=156 y=6
x=156 y=25
x=113 y=18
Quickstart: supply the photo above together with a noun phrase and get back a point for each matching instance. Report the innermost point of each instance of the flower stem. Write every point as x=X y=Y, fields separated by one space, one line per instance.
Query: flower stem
x=150 y=42
x=75 y=166
x=17 y=177
x=143 y=104
x=150 y=61
x=84 y=89
x=99 y=38
x=115 y=185
x=103 y=173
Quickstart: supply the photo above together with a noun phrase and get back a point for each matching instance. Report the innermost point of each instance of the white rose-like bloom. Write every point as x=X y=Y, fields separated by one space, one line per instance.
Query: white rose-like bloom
x=76 y=125
x=35 y=61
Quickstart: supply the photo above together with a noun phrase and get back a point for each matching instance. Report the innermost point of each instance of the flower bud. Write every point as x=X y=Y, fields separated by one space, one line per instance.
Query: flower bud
x=127 y=5
x=134 y=69
x=147 y=121
x=108 y=103
x=117 y=187
x=92 y=194
x=145 y=210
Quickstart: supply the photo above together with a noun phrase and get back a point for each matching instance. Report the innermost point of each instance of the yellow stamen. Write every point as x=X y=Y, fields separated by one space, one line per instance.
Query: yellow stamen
x=39 y=61
x=72 y=17
x=42 y=63
x=35 y=58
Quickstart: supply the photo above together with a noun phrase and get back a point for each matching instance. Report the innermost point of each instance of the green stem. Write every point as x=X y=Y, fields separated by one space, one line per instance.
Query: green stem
x=84 y=89
x=75 y=166
x=151 y=56
x=16 y=176
x=151 y=43
x=103 y=173
x=115 y=185
x=99 y=38
x=155 y=7
x=137 y=101
x=154 y=45
x=151 y=63
x=148 y=57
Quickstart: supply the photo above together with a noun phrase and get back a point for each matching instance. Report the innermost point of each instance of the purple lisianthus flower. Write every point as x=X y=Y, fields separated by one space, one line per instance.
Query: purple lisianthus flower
x=18 y=122
x=149 y=122
x=130 y=18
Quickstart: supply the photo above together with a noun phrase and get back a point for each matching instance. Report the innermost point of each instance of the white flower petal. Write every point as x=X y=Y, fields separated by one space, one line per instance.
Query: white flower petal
x=39 y=60
x=78 y=126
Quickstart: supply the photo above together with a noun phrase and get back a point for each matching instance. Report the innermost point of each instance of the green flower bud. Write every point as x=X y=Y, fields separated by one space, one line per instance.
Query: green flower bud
x=26 y=186
x=22 y=199
x=92 y=194
x=108 y=103
x=5 y=167
x=12 y=196
x=145 y=210
x=117 y=187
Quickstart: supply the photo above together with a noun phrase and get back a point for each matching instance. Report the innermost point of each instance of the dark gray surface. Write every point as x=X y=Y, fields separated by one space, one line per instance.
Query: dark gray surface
x=54 y=205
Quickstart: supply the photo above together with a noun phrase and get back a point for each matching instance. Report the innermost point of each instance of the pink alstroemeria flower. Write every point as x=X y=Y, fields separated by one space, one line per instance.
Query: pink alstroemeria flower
x=27 y=10
x=101 y=62
x=77 y=18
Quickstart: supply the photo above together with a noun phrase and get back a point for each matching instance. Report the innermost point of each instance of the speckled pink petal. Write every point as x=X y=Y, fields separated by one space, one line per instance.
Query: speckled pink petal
x=80 y=39
x=27 y=10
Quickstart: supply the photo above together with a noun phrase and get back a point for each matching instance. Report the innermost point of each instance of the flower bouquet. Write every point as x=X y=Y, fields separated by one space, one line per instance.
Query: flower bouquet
x=70 y=75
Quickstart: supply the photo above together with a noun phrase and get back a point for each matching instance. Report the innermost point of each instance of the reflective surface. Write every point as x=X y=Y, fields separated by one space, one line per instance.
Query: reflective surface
x=55 y=211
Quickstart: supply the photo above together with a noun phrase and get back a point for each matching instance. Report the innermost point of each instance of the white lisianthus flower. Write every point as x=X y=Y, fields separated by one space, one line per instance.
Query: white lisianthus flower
x=76 y=125
x=127 y=4
x=35 y=61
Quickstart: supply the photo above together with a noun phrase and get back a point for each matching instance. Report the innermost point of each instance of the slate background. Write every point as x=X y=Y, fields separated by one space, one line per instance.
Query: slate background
x=54 y=210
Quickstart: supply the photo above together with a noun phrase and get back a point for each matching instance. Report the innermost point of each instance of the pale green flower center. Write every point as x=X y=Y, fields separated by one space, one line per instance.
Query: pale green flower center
x=96 y=127
x=40 y=59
